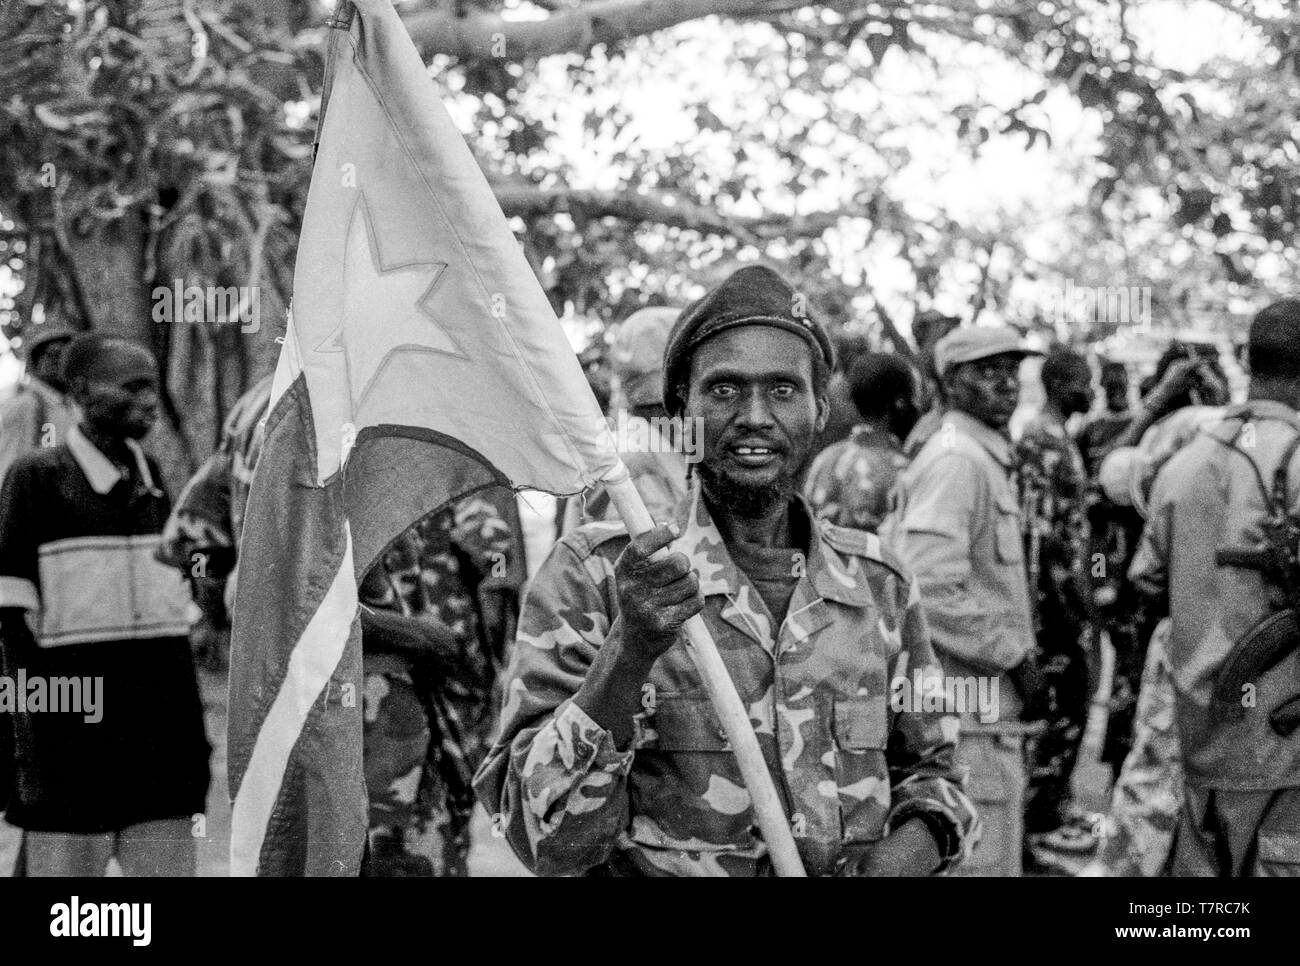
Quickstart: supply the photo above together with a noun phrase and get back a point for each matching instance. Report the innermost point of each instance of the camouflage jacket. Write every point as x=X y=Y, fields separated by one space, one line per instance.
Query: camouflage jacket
x=35 y=415
x=435 y=569
x=848 y=766
x=1148 y=794
x=850 y=482
x=1053 y=496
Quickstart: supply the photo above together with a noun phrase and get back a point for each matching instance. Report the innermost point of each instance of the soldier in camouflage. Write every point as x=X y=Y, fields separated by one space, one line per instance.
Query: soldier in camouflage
x=437 y=611
x=1148 y=792
x=1053 y=490
x=851 y=482
x=611 y=759
x=431 y=659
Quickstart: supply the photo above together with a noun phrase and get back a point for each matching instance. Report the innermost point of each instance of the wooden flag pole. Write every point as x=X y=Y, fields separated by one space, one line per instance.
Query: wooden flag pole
x=722 y=692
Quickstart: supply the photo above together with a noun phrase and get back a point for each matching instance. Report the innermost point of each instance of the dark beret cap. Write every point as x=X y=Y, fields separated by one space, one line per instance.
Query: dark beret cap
x=754 y=295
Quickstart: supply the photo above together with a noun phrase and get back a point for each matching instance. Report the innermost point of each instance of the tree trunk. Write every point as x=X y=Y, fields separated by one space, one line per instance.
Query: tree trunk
x=109 y=261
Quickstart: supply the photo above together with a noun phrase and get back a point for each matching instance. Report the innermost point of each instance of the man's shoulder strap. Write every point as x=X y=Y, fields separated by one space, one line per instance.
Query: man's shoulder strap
x=1281 y=496
x=1277 y=499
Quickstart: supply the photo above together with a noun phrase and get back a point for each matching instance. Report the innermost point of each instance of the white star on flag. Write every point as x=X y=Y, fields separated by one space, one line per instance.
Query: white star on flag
x=386 y=308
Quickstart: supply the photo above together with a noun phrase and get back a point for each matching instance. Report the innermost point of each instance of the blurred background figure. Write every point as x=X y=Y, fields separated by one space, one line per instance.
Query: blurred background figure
x=1053 y=485
x=927 y=329
x=38 y=413
x=1141 y=745
x=1103 y=428
x=655 y=459
x=128 y=780
x=843 y=413
x=850 y=482
x=1219 y=551
x=957 y=527
x=202 y=533
x=438 y=615
x=1186 y=391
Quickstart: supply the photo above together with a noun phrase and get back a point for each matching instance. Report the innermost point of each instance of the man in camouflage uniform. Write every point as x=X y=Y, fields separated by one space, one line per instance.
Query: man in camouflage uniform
x=611 y=758
x=430 y=662
x=851 y=481
x=1148 y=792
x=1053 y=489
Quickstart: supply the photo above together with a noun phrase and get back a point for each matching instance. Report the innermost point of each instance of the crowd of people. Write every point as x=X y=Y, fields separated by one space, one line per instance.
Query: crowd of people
x=913 y=602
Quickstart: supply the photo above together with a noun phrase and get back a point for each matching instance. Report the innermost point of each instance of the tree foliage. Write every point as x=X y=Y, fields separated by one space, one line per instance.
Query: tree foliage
x=160 y=140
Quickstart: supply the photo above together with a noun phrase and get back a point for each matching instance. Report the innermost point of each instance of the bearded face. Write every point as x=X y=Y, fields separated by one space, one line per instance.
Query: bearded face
x=753 y=389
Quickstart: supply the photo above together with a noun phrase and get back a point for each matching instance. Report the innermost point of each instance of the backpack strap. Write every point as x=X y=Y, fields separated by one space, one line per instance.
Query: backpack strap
x=1281 y=499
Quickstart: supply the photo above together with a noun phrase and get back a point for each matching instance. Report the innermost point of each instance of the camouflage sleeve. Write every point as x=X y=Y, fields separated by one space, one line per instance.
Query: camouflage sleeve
x=554 y=779
x=1149 y=570
x=924 y=777
x=198 y=532
x=1148 y=794
x=480 y=530
x=821 y=489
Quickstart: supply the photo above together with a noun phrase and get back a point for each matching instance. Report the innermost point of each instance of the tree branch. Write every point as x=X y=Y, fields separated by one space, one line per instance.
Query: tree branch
x=480 y=34
x=527 y=202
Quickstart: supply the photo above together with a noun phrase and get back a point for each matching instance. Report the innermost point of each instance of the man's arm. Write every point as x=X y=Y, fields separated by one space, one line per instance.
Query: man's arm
x=483 y=535
x=933 y=538
x=555 y=782
x=558 y=772
x=19 y=600
x=19 y=570
x=1149 y=570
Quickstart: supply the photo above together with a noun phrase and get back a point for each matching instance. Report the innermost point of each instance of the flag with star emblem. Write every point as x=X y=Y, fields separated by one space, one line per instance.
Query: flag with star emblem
x=421 y=362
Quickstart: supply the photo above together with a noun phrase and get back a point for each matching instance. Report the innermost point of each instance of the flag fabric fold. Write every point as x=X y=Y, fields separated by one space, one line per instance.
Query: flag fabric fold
x=421 y=362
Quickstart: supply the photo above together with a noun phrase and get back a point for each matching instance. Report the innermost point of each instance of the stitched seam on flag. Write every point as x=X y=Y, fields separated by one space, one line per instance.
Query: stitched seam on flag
x=575 y=452
x=282 y=727
x=296 y=394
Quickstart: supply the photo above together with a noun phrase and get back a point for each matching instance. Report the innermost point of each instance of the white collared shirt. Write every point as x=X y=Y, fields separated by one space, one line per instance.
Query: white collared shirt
x=102 y=473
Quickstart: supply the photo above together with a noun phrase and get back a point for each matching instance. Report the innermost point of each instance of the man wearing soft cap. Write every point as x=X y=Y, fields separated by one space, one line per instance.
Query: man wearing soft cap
x=611 y=759
x=957 y=527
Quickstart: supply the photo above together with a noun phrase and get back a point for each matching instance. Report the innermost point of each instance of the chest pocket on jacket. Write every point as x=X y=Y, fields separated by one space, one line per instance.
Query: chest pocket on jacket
x=684 y=723
x=1007 y=535
x=861 y=730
